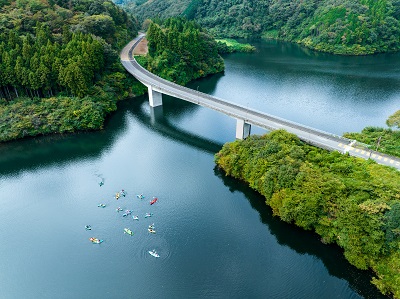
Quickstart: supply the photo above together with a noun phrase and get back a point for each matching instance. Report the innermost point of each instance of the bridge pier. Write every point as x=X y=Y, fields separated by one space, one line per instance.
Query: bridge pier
x=242 y=129
x=156 y=114
x=155 y=97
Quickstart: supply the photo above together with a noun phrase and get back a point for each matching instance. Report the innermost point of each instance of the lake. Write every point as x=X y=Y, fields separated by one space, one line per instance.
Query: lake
x=215 y=236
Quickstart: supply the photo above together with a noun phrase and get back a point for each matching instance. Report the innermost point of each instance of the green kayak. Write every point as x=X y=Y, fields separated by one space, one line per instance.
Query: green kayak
x=128 y=231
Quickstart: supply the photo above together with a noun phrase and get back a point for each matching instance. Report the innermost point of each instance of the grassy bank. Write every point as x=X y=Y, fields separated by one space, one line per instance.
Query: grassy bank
x=386 y=141
x=230 y=46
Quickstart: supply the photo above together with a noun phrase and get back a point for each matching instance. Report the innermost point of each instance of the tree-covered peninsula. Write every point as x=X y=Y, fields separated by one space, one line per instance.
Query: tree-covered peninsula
x=180 y=51
x=349 y=27
x=59 y=65
x=352 y=202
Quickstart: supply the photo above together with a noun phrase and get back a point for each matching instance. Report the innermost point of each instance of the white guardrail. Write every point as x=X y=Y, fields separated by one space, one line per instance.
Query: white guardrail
x=248 y=112
x=251 y=116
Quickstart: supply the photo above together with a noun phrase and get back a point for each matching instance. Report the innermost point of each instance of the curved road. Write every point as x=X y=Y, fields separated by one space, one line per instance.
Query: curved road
x=263 y=120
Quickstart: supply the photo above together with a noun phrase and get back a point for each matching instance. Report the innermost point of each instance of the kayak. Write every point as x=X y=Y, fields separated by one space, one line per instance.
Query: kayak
x=119 y=209
x=128 y=231
x=95 y=240
x=151 y=226
x=152 y=231
x=154 y=253
x=102 y=205
x=88 y=227
x=140 y=196
x=135 y=217
x=154 y=200
x=148 y=215
x=127 y=212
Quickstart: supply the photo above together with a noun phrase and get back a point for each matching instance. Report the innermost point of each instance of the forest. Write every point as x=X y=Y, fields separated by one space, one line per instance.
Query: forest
x=60 y=72
x=180 y=51
x=348 y=27
x=59 y=65
x=347 y=201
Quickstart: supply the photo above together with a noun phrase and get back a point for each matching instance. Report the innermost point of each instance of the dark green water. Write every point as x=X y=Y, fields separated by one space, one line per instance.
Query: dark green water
x=215 y=236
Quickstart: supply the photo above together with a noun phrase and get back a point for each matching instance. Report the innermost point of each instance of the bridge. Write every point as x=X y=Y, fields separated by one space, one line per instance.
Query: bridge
x=245 y=117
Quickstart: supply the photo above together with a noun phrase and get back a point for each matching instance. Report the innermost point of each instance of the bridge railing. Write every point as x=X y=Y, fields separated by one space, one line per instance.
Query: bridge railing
x=261 y=119
x=234 y=105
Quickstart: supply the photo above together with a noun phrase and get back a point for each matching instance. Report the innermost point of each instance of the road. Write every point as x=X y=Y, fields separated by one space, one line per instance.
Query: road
x=260 y=119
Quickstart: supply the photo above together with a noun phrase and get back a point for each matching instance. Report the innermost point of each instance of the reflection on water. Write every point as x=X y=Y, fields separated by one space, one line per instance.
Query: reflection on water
x=332 y=93
x=59 y=149
x=216 y=237
x=304 y=242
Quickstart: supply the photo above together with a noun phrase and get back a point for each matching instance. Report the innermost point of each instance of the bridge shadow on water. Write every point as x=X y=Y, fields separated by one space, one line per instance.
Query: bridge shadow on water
x=305 y=242
x=58 y=149
x=54 y=150
x=158 y=122
x=32 y=153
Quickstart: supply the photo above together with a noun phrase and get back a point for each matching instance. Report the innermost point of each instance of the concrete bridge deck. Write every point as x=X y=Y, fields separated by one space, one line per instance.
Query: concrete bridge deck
x=245 y=116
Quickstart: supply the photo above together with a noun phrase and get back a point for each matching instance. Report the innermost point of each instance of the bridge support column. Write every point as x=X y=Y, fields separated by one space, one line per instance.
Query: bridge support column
x=156 y=114
x=155 y=97
x=242 y=129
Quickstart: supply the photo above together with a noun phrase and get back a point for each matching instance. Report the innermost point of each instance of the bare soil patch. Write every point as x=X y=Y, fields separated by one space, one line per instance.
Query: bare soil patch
x=141 y=48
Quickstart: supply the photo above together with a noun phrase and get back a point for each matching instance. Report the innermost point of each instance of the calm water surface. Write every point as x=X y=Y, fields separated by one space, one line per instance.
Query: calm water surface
x=215 y=236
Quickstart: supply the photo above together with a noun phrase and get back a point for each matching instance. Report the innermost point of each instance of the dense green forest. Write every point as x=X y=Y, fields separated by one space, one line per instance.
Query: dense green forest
x=164 y=9
x=352 y=202
x=351 y=27
x=66 y=51
x=180 y=51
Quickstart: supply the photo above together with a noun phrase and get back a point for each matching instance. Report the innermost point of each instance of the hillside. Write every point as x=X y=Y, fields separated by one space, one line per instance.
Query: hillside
x=348 y=201
x=337 y=26
x=157 y=8
x=180 y=51
x=59 y=65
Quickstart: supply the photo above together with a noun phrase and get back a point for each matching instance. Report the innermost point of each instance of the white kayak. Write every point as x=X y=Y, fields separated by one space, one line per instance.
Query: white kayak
x=154 y=253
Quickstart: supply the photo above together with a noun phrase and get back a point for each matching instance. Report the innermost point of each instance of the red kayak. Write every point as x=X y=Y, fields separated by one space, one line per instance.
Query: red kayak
x=154 y=200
